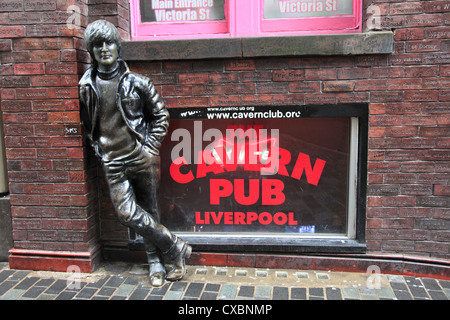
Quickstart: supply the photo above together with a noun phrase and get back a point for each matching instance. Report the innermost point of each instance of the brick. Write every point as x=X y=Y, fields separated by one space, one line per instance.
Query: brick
x=434 y=131
x=193 y=78
x=424 y=20
x=29 y=142
x=388 y=72
x=5 y=45
x=45 y=81
x=288 y=75
x=17 y=130
x=11 y=5
x=36 y=165
x=353 y=73
x=258 y=99
x=64 y=117
x=436 y=6
x=6 y=70
x=338 y=86
x=370 y=85
x=26 y=223
x=193 y=101
x=409 y=34
x=240 y=65
x=397 y=245
x=42 y=5
x=271 y=87
x=354 y=97
x=416 y=189
x=401 y=131
x=433 y=201
x=304 y=86
x=31 y=93
x=24 y=18
x=66 y=141
x=41 y=30
x=15 y=82
x=76 y=153
x=407 y=59
x=70 y=188
x=437 y=33
x=12 y=31
x=48 y=105
x=322 y=74
x=63 y=93
x=28 y=44
x=423 y=46
x=56 y=224
x=39 y=188
x=283 y=99
x=385 y=120
x=224 y=77
x=324 y=98
x=421 y=95
x=52 y=153
x=405 y=84
x=24 y=200
x=16 y=105
x=29 y=68
x=61 y=68
x=398 y=223
x=421 y=72
x=405 y=8
x=225 y=100
x=53 y=176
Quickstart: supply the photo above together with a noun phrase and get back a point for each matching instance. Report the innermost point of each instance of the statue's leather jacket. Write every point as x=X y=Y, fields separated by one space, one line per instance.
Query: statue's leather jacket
x=138 y=102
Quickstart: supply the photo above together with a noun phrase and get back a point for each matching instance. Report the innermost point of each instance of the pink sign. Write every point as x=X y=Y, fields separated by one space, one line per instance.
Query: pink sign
x=190 y=19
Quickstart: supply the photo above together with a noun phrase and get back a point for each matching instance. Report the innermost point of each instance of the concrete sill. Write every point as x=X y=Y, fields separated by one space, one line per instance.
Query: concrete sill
x=314 y=45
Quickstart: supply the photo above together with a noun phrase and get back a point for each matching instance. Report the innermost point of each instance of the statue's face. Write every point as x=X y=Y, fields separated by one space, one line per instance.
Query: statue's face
x=106 y=53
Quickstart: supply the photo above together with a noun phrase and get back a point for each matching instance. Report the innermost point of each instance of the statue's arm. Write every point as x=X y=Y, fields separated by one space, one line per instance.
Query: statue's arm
x=159 y=118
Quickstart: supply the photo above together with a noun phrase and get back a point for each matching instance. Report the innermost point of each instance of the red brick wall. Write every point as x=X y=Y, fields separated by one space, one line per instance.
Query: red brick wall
x=56 y=194
x=53 y=189
x=409 y=98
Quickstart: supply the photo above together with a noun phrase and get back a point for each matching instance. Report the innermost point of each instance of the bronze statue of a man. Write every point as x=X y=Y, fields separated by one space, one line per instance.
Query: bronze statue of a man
x=125 y=122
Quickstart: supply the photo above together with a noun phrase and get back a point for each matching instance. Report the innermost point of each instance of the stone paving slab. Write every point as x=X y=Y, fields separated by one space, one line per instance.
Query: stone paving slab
x=124 y=281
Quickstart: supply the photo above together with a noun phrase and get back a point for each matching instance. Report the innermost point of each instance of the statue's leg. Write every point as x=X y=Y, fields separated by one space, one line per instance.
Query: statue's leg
x=146 y=180
x=142 y=175
x=157 y=271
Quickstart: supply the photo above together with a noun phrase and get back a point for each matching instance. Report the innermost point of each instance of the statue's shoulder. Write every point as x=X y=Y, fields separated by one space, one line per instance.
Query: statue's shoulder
x=86 y=79
x=137 y=80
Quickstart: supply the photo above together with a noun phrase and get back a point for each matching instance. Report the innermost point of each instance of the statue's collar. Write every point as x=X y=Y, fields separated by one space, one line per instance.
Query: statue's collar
x=108 y=75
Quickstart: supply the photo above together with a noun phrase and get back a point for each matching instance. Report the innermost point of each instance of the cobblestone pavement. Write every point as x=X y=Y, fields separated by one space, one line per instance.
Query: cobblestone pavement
x=125 y=281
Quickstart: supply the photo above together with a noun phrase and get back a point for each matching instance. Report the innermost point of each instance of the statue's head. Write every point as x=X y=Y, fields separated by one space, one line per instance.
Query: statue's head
x=103 y=42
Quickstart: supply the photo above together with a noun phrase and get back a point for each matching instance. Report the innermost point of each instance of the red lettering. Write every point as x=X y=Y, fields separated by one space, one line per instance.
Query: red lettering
x=239 y=218
x=292 y=222
x=251 y=216
x=312 y=174
x=219 y=188
x=228 y=218
x=216 y=217
x=280 y=218
x=272 y=192
x=176 y=174
x=203 y=168
x=253 y=190
x=265 y=218
x=198 y=219
x=285 y=158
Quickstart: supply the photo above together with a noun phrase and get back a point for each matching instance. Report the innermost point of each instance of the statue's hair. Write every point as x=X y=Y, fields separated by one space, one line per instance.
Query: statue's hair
x=100 y=31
